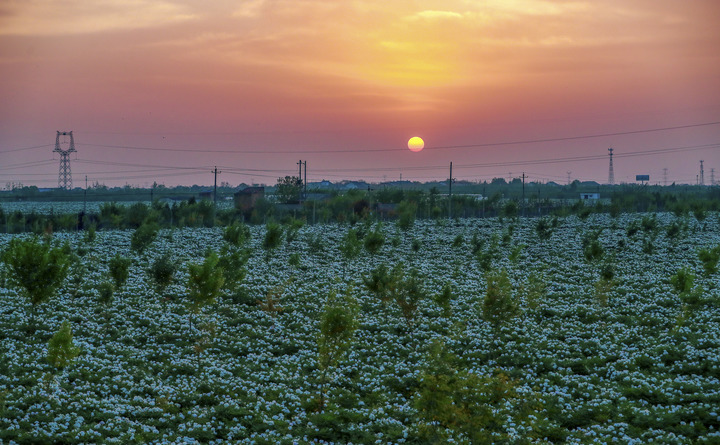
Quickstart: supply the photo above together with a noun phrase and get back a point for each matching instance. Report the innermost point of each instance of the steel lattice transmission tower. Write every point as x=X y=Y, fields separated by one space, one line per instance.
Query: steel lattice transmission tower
x=64 y=173
x=611 y=173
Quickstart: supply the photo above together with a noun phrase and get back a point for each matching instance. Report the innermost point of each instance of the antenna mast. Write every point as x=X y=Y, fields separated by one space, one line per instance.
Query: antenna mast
x=611 y=173
x=64 y=173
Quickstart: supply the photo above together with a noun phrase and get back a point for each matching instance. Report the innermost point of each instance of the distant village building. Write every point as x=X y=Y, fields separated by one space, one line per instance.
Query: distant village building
x=206 y=195
x=589 y=196
x=246 y=198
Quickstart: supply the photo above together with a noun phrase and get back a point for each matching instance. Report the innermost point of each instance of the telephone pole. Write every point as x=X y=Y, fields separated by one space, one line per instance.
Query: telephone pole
x=611 y=173
x=702 y=173
x=215 y=187
x=305 y=180
x=450 y=182
x=523 y=193
x=712 y=176
x=665 y=170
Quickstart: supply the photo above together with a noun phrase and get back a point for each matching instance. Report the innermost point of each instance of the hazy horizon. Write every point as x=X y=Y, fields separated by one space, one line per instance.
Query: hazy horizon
x=167 y=90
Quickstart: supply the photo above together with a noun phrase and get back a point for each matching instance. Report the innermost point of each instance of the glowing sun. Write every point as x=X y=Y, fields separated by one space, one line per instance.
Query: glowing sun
x=416 y=144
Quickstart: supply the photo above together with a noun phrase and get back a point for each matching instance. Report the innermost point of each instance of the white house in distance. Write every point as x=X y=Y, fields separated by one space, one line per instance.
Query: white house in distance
x=590 y=196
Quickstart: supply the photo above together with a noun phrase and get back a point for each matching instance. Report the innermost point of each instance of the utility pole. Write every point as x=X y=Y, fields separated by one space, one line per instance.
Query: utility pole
x=611 y=172
x=568 y=173
x=523 y=193
x=85 y=196
x=305 y=180
x=712 y=176
x=702 y=173
x=450 y=182
x=299 y=163
x=215 y=187
x=665 y=170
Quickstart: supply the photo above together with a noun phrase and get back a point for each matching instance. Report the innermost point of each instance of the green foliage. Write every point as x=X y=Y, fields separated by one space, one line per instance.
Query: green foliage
x=292 y=230
x=294 y=259
x=90 y=234
x=105 y=292
x=232 y=262
x=237 y=234
x=119 y=268
x=499 y=306
x=510 y=209
x=458 y=241
x=416 y=245
x=204 y=281
x=162 y=272
x=379 y=282
x=374 y=240
x=709 y=258
x=36 y=267
x=515 y=252
x=143 y=236
x=535 y=289
x=444 y=298
x=273 y=236
x=674 y=230
x=607 y=272
x=649 y=223
x=350 y=245
x=288 y=189
x=61 y=351
x=544 y=229
x=338 y=323
x=406 y=211
x=683 y=280
x=592 y=249
x=486 y=257
x=455 y=405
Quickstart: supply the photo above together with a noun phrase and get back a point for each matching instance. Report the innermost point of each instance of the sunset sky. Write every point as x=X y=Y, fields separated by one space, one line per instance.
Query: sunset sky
x=166 y=90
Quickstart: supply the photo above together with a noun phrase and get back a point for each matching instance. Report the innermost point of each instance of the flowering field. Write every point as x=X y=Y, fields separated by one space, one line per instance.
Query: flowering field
x=596 y=342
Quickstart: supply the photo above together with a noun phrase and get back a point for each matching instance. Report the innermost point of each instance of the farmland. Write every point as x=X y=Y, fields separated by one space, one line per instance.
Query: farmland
x=594 y=340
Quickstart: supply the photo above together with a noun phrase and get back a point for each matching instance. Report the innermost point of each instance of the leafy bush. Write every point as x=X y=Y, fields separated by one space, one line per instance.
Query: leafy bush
x=406 y=211
x=106 y=291
x=143 y=236
x=683 y=280
x=119 y=268
x=237 y=234
x=273 y=236
x=204 y=282
x=374 y=240
x=499 y=306
x=350 y=245
x=61 y=351
x=455 y=405
x=162 y=272
x=338 y=323
x=37 y=268
x=232 y=262
x=458 y=241
x=709 y=258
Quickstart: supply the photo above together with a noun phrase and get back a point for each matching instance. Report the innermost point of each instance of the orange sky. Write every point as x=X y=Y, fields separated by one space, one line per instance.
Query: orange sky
x=205 y=83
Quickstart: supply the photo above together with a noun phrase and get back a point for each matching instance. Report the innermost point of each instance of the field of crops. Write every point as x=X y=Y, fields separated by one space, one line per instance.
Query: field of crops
x=596 y=342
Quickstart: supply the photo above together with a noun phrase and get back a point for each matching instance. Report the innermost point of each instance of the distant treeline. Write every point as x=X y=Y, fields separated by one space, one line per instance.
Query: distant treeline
x=356 y=205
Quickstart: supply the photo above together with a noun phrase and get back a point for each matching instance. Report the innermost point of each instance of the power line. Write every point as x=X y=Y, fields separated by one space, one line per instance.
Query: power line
x=437 y=147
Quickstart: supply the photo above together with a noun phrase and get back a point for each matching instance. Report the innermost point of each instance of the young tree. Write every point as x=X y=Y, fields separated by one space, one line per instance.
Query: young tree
x=338 y=323
x=37 y=268
x=237 y=234
x=143 y=236
x=204 y=283
x=162 y=272
x=61 y=350
x=273 y=238
x=119 y=268
x=498 y=305
x=374 y=240
x=709 y=258
x=350 y=246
